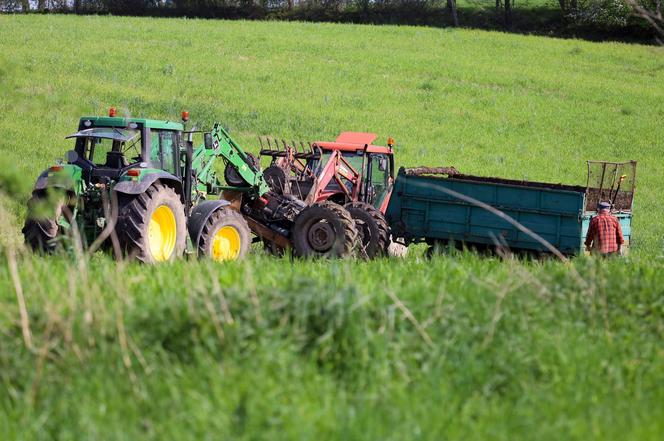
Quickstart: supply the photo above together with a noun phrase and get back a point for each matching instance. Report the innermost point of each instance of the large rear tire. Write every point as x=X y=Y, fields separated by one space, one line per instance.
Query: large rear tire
x=324 y=229
x=151 y=226
x=374 y=233
x=41 y=229
x=225 y=236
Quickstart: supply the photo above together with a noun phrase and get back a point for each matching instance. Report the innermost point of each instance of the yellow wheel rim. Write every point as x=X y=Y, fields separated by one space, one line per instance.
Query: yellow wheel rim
x=226 y=244
x=162 y=233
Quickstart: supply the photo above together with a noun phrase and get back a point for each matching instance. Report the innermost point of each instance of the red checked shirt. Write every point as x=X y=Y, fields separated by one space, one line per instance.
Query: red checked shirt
x=605 y=233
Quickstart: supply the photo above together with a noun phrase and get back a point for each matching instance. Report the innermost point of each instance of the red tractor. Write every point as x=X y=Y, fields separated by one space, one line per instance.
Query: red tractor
x=350 y=171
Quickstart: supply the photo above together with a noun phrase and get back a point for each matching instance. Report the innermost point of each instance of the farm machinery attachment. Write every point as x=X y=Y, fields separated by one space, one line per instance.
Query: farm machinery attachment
x=280 y=219
x=140 y=187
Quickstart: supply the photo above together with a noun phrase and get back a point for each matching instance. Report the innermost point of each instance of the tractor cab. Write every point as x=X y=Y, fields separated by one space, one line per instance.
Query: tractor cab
x=373 y=165
x=106 y=147
x=349 y=169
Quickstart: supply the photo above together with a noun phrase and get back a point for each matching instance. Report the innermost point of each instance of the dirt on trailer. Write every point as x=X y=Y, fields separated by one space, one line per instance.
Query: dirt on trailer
x=424 y=171
x=622 y=201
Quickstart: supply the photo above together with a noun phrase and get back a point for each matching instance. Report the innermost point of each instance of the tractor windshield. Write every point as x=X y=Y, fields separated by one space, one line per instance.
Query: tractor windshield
x=352 y=158
x=109 y=146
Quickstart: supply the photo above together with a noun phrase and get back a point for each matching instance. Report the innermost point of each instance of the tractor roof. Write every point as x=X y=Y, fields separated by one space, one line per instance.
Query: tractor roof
x=107 y=132
x=118 y=121
x=354 y=141
x=356 y=138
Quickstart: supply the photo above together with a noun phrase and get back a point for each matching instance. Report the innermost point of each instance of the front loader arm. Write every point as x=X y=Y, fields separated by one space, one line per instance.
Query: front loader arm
x=233 y=154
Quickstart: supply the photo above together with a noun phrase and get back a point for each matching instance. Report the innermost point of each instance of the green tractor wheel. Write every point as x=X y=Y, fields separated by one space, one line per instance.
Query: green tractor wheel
x=152 y=226
x=372 y=228
x=41 y=227
x=225 y=236
x=324 y=229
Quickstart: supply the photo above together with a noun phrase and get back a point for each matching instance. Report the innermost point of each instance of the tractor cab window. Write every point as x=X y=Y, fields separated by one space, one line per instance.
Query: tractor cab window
x=354 y=160
x=108 y=146
x=380 y=177
x=98 y=148
x=380 y=172
x=163 y=150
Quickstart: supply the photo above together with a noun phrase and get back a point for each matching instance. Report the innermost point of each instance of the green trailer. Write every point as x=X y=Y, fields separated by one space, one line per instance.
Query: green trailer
x=440 y=206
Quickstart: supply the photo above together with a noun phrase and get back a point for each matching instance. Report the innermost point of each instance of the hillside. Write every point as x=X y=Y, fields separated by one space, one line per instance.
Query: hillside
x=455 y=347
x=488 y=103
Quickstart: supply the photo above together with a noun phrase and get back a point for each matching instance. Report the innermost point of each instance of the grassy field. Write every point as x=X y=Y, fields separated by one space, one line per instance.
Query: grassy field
x=487 y=103
x=459 y=347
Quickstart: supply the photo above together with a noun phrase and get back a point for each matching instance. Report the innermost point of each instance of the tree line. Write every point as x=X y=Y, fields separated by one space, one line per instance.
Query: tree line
x=630 y=16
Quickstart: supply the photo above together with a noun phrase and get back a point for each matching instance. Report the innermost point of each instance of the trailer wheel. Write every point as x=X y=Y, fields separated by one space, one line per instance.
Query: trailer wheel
x=372 y=228
x=273 y=249
x=151 y=226
x=225 y=236
x=324 y=229
x=41 y=227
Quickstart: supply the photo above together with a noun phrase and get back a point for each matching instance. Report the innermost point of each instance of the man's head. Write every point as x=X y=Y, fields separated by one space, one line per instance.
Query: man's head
x=604 y=207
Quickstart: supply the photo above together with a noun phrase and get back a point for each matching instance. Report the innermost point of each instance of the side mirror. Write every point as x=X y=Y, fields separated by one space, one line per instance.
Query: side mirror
x=382 y=164
x=209 y=143
x=190 y=134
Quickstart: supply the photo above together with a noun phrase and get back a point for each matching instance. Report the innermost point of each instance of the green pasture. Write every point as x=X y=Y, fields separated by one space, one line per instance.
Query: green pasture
x=457 y=347
x=487 y=103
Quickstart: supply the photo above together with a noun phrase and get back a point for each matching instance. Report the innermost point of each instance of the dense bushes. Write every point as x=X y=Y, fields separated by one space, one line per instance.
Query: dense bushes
x=589 y=18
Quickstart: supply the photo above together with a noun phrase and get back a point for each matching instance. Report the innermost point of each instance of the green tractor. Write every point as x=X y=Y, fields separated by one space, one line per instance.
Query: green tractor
x=138 y=186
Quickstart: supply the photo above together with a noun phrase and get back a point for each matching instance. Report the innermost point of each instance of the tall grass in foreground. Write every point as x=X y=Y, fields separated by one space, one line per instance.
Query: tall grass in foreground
x=388 y=349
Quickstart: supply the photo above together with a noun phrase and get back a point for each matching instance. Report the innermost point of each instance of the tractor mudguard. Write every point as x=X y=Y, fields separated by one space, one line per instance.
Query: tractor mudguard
x=200 y=215
x=69 y=179
x=42 y=181
x=139 y=187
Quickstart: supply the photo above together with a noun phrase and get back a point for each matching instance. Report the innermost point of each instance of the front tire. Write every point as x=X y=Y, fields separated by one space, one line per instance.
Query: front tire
x=225 y=236
x=152 y=226
x=372 y=227
x=324 y=229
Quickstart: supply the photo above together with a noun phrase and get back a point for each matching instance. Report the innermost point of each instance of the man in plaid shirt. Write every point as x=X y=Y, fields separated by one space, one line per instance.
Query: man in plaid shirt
x=604 y=234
